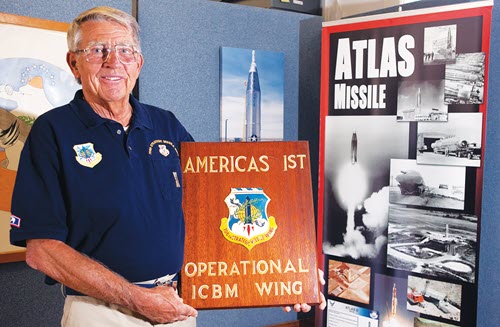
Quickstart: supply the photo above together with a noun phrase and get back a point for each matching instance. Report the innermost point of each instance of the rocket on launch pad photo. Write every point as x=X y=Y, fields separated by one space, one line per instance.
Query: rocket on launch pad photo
x=252 y=99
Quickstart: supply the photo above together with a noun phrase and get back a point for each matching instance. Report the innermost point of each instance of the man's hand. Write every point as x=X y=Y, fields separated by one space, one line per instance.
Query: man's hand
x=162 y=304
x=304 y=307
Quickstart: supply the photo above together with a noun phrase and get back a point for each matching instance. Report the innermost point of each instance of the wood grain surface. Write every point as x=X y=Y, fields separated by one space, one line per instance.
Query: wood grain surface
x=219 y=273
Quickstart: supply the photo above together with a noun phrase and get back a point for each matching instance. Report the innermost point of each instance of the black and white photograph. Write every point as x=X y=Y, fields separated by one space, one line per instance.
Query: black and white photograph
x=435 y=243
x=422 y=101
x=427 y=185
x=454 y=143
x=434 y=298
x=440 y=44
x=464 y=80
x=422 y=322
x=356 y=170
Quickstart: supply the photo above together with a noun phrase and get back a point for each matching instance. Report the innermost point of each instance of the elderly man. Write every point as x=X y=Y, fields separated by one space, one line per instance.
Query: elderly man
x=103 y=180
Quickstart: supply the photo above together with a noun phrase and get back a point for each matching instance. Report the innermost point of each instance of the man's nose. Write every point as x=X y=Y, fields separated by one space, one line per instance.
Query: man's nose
x=112 y=57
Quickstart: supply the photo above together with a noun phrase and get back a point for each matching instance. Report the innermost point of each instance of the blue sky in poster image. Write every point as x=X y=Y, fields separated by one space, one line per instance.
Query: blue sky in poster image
x=235 y=65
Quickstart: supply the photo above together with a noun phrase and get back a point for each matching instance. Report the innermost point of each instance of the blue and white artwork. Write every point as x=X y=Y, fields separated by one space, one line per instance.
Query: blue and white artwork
x=34 y=78
x=252 y=88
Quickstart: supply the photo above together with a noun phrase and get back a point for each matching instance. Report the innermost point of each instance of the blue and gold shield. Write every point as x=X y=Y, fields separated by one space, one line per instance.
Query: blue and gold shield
x=248 y=223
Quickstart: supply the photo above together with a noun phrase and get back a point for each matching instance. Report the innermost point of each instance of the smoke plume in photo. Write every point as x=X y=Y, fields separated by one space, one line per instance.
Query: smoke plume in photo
x=357 y=174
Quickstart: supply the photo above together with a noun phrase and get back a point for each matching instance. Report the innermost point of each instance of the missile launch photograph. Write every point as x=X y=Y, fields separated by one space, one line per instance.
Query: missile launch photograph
x=252 y=95
x=357 y=173
x=391 y=292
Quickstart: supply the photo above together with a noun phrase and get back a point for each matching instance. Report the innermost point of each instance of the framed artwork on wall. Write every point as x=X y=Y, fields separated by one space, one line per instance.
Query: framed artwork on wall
x=252 y=95
x=34 y=78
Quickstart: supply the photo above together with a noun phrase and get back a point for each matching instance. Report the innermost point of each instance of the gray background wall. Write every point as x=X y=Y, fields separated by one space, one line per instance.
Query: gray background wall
x=489 y=258
x=181 y=41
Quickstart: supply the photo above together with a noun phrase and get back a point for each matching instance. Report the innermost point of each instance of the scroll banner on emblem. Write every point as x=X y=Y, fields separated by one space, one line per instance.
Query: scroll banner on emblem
x=250 y=228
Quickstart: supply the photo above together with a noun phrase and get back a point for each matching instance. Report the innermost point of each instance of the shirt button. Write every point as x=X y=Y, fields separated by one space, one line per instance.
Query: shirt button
x=118 y=131
x=129 y=148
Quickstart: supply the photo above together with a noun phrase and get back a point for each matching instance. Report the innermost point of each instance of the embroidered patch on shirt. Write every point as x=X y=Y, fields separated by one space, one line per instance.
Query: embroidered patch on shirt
x=163 y=150
x=163 y=146
x=15 y=221
x=86 y=155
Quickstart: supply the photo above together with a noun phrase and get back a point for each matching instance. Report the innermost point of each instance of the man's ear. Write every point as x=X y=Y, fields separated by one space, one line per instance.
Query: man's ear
x=140 y=61
x=72 y=63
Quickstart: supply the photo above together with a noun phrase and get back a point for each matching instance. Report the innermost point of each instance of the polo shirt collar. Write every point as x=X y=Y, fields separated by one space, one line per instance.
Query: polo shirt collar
x=140 y=115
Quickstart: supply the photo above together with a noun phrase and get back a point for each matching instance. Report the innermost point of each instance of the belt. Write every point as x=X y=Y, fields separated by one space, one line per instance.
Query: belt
x=167 y=280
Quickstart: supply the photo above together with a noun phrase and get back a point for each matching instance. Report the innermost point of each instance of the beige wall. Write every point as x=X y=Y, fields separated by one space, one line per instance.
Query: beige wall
x=336 y=9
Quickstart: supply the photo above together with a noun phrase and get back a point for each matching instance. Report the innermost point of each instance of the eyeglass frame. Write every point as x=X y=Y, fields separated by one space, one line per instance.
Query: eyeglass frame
x=109 y=49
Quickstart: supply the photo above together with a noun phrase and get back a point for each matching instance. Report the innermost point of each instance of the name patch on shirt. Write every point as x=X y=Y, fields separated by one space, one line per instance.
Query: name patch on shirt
x=15 y=221
x=86 y=155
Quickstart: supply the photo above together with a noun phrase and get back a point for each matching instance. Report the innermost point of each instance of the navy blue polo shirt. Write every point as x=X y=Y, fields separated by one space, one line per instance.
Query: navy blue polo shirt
x=112 y=195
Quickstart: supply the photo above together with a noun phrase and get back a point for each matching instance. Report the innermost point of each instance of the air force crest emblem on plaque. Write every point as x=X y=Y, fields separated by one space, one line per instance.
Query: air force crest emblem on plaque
x=86 y=155
x=248 y=223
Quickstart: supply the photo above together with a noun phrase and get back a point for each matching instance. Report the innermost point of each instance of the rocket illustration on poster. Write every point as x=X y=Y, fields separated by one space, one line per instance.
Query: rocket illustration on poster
x=251 y=95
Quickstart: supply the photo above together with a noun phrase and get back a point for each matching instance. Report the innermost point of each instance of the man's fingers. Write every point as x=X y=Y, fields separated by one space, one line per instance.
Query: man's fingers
x=188 y=311
x=322 y=305
x=304 y=307
x=321 y=275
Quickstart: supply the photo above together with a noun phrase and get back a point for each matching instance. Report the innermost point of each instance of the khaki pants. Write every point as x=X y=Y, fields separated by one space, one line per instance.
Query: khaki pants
x=85 y=311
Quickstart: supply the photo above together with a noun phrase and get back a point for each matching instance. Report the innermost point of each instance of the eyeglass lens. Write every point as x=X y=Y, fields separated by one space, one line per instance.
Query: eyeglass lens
x=100 y=53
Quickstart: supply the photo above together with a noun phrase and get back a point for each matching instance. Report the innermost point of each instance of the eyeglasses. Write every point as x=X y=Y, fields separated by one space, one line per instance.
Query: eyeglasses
x=99 y=53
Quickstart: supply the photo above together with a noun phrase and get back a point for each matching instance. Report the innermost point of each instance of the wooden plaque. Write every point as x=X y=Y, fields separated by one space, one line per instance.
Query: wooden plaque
x=250 y=229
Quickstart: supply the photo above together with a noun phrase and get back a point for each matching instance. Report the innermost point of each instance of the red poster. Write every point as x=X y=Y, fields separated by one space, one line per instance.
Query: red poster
x=403 y=109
